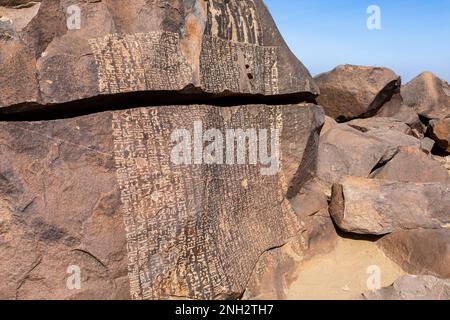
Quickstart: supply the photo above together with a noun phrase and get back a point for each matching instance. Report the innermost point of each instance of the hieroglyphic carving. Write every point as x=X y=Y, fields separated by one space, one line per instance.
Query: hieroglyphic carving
x=234 y=20
x=141 y=61
x=153 y=61
x=238 y=67
x=194 y=231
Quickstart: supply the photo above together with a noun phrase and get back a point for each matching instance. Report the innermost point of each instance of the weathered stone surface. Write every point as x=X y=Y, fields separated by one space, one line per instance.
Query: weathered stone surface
x=377 y=207
x=420 y=251
x=428 y=95
x=344 y=150
x=412 y=165
x=397 y=109
x=329 y=123
x=440 y=132
x=184 y=46
x=101 y=192
x=413 y=288
x=349 y=92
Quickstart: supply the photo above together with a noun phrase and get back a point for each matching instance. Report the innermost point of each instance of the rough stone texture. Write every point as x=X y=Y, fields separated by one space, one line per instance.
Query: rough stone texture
x=185 y=46
x=420 y=251
x=101 y=192
x=428 y=95
x=412 y=165
x=427 y=145
x=349 y=92
x=413 y=288
x=440 y=132
x=329 y=123
x=344 y=150
x=397 y=109
x=378 y=207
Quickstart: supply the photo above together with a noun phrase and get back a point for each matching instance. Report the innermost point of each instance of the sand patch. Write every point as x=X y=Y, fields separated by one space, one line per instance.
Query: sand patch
x=343 y=273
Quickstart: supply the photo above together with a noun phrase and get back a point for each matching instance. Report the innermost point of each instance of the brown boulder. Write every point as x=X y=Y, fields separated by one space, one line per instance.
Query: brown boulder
x=420 y=251
x=413 y=288
x=377 y=207
x=412 y=165
x=347 y=151
x=428 y=95
x=102 y=192
x=349 y=92
x=440 y=132
x=132 y=53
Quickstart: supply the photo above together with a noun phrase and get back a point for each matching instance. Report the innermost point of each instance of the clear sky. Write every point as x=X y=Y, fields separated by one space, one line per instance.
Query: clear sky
x=414 y=35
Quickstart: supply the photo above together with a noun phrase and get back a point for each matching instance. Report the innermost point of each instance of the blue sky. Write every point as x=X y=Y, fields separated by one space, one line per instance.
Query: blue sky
x=414 y=35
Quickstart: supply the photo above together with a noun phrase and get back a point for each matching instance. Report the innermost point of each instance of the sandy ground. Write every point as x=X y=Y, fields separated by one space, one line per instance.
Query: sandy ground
x=343 y=273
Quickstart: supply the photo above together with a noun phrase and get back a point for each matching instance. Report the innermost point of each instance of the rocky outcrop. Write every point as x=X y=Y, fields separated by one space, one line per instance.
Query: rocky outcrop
x=420 y=251
x=428 y=95
x=349 y=92
x=413 y=288
x=154 y=147
x=67 y=187
x=377 y=207
x=193 y=49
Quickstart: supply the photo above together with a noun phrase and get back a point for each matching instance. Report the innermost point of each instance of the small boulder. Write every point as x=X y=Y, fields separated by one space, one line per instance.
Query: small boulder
x=412 y=165
x=427 y=145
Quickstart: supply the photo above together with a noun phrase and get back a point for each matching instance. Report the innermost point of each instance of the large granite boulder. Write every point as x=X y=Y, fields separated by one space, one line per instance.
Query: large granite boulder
x=154 y=147
x=428 y=95
x=144 y=50
x=349 y=92
x=378 y=207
